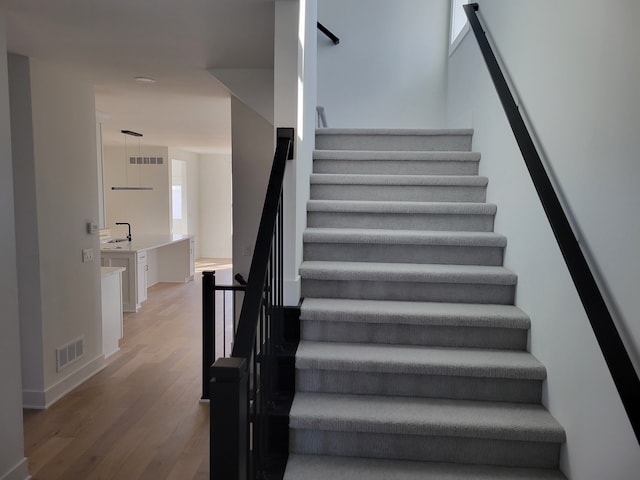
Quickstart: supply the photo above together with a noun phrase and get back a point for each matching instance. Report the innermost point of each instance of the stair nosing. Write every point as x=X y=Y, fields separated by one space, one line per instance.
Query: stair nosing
x=396 y=132
x=419 y=360
x=404 y=237
x=434 y=313
x=407 y=272
x=399 y=207
x=424 y=416
x=397 y=155
x=468 y=181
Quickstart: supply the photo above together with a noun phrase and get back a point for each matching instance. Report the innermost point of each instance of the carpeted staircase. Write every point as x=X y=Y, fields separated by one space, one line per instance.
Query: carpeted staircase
x=412 y=362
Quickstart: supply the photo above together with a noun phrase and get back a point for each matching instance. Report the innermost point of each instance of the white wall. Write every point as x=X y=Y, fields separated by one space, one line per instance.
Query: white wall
x=253 y=148
x=389 y=69
x=578 y=83
x=28 y=251
x=60 y=156
x=13 y=465
x=215 y=196
x=295 y=48
x=148 y=211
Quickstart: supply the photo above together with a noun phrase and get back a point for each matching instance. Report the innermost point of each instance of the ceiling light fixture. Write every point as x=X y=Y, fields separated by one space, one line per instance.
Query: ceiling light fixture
x=126 y=166
x=145 y=80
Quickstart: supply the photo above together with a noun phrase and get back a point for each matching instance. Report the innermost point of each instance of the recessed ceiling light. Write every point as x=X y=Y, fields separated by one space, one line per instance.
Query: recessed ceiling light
x=145 y=80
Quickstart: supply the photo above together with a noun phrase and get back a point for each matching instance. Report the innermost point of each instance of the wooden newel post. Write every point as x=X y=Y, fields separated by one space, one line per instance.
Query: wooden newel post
x=229 y=412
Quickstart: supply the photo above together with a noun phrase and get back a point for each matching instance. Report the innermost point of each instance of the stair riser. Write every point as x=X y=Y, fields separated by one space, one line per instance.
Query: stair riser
x=412 y=385
x=414 y=221
x=370 y=142
x=437 y=336
x=426 y=254
x=395 y=167
x=410 y=291
x=401 y=193
x=426 y=448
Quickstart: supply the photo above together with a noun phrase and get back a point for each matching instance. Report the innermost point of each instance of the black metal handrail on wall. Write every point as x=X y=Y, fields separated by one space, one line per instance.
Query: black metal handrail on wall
x=613 y=349
x=330 y=35
x=243 y=385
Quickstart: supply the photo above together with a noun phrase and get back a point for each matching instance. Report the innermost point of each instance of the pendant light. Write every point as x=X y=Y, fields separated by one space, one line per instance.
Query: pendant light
x=126 y=166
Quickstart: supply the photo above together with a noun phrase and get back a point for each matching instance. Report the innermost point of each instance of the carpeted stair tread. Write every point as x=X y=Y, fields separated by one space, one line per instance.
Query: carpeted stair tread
x=393 y=139
x=411 y=353
x=419 y=360
x=414 y=313
x=424 y=417
x=407 y=272
x=393 y=162
x=320 y=467
x=402 y=132
x=399 y=155
x=403 y=237
x=397 y=207
x=403 y=180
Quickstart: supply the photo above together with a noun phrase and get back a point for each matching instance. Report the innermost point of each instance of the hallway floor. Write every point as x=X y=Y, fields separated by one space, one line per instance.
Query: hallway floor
x=140 y=417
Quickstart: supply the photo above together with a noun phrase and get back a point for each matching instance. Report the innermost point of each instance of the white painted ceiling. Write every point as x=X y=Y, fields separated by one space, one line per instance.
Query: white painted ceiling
x=110 y=42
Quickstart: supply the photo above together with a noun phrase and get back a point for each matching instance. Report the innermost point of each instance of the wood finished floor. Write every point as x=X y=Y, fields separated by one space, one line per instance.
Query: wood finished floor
x=140 y=417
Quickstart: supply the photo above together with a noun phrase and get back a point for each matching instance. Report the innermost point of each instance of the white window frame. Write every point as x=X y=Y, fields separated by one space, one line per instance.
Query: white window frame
x=457 y=34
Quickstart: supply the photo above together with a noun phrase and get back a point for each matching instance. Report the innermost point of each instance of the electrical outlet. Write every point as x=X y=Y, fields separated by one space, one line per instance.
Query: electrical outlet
x=246 y=251
x=87 y=255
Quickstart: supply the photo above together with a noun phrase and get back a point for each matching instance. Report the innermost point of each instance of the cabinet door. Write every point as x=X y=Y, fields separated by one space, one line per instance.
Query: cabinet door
x=142 y=276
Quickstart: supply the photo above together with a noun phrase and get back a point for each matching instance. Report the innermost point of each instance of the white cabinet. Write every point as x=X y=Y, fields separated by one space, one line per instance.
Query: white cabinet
x=111 y=310
x=134 y=278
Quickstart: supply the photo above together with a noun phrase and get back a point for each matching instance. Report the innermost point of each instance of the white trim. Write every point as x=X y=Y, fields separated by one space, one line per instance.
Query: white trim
x=41 y=400
x=19 y=472
x=292 y=291
x=459 y=38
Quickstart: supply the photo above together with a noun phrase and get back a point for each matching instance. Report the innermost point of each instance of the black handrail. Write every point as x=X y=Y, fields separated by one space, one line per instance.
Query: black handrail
x=245 y=440
x=613 y=349
x=247 y=324
x=328 y=33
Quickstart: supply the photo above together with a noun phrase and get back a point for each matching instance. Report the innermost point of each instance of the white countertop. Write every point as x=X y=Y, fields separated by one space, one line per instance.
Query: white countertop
x=143 y=242
x=107 y=271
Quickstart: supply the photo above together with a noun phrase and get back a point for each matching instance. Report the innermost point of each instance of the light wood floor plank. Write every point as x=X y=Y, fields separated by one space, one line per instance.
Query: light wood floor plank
x=140 y=418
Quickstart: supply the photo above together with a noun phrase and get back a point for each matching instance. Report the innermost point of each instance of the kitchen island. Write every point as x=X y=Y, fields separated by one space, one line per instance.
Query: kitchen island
x=149 y=259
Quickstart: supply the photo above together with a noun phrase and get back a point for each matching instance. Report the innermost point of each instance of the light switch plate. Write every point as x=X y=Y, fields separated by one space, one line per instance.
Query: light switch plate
x=87 y=255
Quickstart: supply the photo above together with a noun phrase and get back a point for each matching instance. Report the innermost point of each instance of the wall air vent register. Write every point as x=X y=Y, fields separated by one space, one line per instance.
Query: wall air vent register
x=69 y=353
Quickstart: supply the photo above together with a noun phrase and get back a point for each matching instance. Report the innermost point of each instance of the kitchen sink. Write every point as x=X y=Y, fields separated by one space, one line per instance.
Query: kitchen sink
x=118 y=240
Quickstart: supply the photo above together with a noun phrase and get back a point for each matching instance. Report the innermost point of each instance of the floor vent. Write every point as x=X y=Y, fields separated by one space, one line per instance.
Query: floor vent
x=69 y=353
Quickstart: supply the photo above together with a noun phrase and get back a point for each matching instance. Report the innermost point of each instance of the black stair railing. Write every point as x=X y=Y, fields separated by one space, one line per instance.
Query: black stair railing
x=243 y=385
x=615 y=354
x=226 y=297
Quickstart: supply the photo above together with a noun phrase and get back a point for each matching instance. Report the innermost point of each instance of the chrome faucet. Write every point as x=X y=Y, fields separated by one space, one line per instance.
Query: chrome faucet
x=128 y=225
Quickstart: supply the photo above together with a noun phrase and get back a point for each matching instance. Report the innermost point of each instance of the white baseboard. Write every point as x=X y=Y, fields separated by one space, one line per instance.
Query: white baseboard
x=41 y=400
x=19 y=472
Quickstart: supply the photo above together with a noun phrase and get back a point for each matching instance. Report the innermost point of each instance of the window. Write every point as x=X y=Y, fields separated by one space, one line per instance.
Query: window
x=459 y=24
x=176 y=198
x=179 y=196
